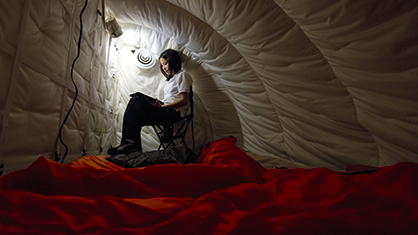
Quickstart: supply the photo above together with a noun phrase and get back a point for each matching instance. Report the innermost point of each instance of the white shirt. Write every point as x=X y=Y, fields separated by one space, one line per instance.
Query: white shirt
x=179 y=83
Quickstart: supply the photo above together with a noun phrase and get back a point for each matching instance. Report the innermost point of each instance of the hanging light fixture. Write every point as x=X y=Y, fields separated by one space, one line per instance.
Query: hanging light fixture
x=114 y=28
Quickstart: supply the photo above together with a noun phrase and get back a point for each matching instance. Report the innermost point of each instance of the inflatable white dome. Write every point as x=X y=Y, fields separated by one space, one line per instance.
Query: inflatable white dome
x=310 y=83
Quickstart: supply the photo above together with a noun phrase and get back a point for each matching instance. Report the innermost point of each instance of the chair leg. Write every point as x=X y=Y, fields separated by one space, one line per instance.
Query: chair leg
x=192 y=133
x=158 y=129
x=165 y=135
x=178 y=133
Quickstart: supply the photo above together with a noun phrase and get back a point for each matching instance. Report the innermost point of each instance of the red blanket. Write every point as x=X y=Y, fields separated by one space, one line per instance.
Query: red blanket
x=226 y=193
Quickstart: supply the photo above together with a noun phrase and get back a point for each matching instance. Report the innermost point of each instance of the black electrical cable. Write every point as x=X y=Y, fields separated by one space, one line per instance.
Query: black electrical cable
x=72 y=80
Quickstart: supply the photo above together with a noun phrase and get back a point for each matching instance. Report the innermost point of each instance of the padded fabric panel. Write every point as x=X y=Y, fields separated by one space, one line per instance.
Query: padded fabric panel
x=38 y=43
x=327 y=84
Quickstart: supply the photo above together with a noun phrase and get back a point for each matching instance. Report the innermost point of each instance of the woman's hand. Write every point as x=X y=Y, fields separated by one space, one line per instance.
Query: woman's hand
x=157 y=104
x=184 y=100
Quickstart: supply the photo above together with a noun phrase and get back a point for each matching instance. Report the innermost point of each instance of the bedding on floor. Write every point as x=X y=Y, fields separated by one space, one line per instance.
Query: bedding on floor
x=224 y=192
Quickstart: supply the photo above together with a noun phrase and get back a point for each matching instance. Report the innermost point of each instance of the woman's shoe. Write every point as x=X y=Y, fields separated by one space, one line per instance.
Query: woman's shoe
x=113 y=151
x=126 y=147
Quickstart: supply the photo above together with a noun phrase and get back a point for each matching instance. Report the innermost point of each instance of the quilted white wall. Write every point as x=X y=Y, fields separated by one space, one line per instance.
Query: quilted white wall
x=319 y=83
x=38 y=43
x=322 y=84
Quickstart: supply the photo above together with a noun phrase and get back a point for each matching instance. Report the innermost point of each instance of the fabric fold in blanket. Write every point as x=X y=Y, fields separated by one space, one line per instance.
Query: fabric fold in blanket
x=225 y=192
x=177 y=154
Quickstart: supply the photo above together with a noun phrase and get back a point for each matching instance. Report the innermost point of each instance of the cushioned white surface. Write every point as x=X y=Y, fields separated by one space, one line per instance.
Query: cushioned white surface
x=324 y=84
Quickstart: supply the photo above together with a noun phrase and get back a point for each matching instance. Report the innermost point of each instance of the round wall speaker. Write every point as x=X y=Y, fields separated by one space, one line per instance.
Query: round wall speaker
x=144 y=58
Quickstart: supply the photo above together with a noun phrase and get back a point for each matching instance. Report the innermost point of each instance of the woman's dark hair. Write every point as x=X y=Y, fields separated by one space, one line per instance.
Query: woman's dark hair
x=173 y=60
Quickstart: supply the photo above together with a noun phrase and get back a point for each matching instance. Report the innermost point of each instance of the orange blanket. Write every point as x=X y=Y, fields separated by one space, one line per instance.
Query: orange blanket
x=227 y=192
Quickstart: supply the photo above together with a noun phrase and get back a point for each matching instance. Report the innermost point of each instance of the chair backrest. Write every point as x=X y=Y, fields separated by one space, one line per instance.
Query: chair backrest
x=164 y=131
x=191 y=101
x=191 y=94
x=188 y=119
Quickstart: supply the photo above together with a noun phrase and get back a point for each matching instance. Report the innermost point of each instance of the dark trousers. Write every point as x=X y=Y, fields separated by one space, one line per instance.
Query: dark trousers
x=140 y=112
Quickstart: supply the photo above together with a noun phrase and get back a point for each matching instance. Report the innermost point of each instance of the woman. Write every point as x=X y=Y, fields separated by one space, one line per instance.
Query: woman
x=143 y=110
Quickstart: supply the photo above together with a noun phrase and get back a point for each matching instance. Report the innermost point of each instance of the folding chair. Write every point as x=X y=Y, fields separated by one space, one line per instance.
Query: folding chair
x=167 y=134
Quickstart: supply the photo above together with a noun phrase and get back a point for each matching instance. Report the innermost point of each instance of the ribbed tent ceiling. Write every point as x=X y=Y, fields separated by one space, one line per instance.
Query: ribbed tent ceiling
x=328 y=83
x=311 y=83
